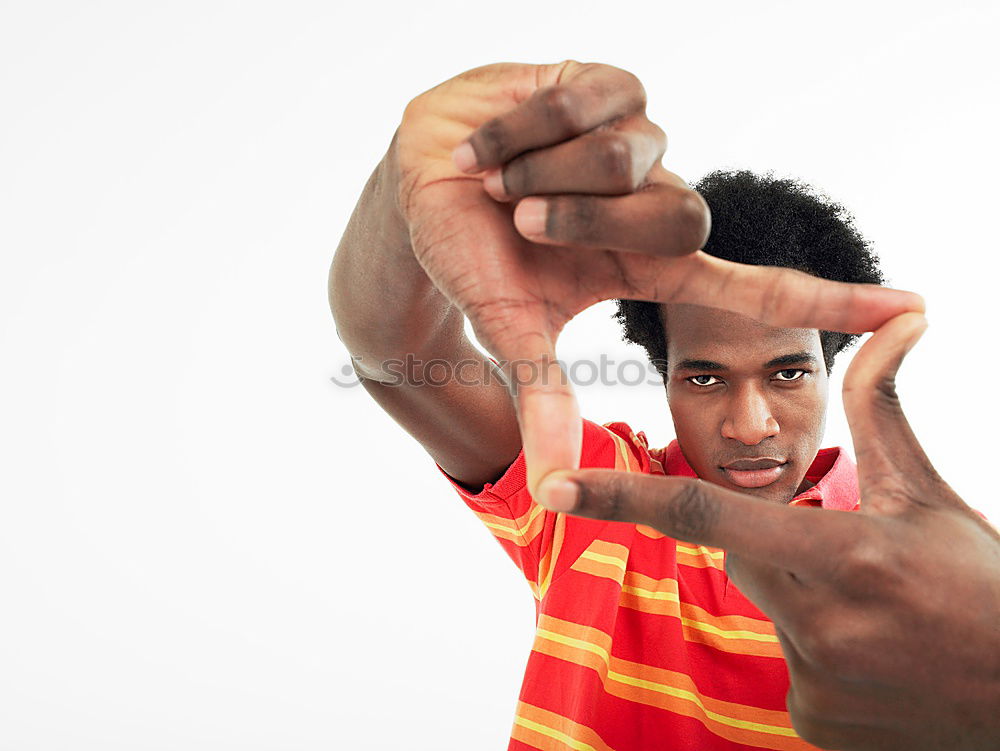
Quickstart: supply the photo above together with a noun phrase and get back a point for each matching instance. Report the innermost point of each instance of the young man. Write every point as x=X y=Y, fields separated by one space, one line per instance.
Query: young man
x=642 y=642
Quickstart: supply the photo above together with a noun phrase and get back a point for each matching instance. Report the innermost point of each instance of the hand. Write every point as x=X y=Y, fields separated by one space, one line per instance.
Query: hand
x=616 y=224
x=888 y=617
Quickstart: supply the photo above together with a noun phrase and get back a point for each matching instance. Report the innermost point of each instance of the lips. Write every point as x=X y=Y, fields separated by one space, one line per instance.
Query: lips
x=754 y=473
x=750 y=464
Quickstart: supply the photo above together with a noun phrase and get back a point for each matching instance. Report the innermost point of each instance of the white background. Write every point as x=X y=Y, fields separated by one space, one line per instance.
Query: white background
x=203 y=543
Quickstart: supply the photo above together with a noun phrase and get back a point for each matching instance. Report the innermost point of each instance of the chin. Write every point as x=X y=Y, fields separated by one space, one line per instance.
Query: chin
x=778 y=495
x=779 y=492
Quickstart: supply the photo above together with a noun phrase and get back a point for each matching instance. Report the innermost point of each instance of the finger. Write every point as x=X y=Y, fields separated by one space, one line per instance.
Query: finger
x=465 y=243
x=605 y=161
x=581 y=97
x=889 y=456
x=781 y=297
x=797 y=538
x=660 y=219
x=547 y=410
x=785 y=297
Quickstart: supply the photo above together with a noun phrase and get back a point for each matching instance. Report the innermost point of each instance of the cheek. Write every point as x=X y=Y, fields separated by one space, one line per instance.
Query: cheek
x=694 y=423
x=687 y=413
x=803 y=413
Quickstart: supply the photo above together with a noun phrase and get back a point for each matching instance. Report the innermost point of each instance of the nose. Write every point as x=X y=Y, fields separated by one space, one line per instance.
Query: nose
x=749 y=419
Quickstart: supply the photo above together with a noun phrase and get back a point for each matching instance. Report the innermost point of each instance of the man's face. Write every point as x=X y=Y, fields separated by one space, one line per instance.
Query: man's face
x=748 y=400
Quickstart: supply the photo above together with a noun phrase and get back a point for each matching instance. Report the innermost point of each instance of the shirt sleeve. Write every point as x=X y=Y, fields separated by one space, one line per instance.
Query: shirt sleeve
x=543 y=543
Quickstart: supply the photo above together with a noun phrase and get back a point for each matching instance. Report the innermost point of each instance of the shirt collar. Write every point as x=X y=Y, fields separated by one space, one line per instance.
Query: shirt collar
x=832 y=472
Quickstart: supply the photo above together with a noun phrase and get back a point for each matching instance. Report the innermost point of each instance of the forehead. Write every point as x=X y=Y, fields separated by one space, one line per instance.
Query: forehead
x=700 y=333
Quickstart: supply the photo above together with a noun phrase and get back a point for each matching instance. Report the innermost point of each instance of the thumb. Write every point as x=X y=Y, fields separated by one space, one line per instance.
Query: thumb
x=884 y=443
x=548 y=415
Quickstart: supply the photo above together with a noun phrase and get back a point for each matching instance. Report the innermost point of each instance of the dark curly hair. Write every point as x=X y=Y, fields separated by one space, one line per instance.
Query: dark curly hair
x=760 y=220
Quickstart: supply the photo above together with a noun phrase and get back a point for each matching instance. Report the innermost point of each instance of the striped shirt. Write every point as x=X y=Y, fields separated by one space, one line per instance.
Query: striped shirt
x=641 y=641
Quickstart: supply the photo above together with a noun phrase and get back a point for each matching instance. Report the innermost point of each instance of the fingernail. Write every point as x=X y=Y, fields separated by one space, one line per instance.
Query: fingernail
x=493 y=184
x=530 y=216
x=464 y=157
x=558 y=495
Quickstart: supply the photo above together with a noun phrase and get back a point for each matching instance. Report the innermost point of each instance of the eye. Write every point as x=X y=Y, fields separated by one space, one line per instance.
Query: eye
x=704 y=380
x=790 y=374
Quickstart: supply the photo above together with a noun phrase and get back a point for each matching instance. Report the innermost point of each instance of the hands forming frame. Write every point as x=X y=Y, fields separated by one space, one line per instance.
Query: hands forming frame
x=539 y=192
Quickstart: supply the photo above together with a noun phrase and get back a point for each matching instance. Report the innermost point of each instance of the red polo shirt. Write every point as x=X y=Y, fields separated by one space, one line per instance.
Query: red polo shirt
x=640 y=641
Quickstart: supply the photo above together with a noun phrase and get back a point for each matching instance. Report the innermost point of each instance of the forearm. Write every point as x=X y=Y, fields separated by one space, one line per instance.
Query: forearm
x=383 y=303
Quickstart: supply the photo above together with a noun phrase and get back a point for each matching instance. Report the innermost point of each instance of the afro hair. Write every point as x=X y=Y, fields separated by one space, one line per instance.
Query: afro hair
x=763 y=221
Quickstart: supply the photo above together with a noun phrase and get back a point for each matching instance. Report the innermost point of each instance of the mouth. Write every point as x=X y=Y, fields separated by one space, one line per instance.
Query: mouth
x=754 y=473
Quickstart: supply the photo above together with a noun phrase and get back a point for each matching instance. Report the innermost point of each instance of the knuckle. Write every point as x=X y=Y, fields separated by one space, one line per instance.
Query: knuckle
x=824 y=648
x=691 y=513
x=846 y=646
x=693 y=220
x=869 y=565
x=615 y=502
x=839 y=641
x=492 y=142
x=863 y=560
x=606 y=500
x=634 y=85
x=626 y=82
x=574 y=219
x=562 y=108
x=618 y=164
x=660 y=136
x=518 y=177
x=864 y=557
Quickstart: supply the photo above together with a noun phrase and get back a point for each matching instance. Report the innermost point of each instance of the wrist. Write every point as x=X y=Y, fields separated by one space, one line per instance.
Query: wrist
x=374 y=262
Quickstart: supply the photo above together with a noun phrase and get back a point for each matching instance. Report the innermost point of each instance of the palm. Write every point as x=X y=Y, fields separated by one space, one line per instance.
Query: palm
x=518 y=294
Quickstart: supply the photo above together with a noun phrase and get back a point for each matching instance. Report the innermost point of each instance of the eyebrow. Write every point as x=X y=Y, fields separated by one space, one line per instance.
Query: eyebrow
x=700 y=365
x=796 y=358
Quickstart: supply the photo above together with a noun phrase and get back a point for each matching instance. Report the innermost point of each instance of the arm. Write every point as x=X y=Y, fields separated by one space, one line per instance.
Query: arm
x=385 y=308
